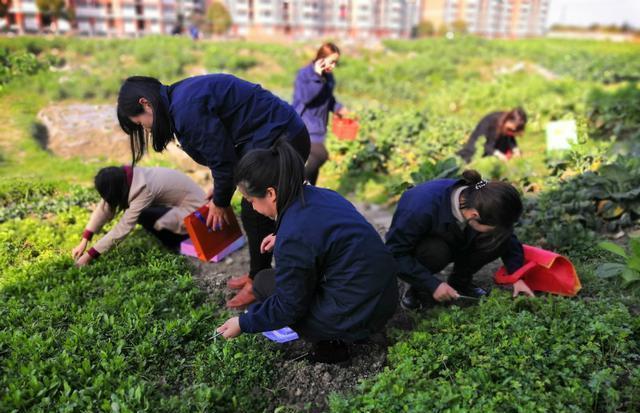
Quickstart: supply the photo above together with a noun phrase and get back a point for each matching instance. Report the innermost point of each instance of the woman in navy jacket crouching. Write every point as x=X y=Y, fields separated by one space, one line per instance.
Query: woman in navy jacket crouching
x=467 y=222
x=334 y=280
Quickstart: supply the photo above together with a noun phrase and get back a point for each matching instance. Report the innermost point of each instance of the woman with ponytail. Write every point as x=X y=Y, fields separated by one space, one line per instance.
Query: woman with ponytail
x=156 y=198
x=500 y=130
x=313 y=100
x=334 y=281
x=468 y=222
x=216 y=119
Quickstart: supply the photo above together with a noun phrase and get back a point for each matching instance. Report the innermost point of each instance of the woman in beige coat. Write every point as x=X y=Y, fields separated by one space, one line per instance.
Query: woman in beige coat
x=156 y=198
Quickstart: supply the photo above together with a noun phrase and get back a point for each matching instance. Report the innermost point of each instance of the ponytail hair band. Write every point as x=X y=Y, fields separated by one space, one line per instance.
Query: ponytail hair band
x=480 y=184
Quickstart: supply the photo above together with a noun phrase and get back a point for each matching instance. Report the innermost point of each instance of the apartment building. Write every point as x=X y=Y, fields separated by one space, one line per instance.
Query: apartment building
x=312 y=18
x=490 y=18
x=107 y=17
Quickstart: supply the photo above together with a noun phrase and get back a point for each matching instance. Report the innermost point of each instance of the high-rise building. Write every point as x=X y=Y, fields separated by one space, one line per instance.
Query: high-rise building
x=491 y=18
x=107 y=17
x=311 y=18
x=295 y=18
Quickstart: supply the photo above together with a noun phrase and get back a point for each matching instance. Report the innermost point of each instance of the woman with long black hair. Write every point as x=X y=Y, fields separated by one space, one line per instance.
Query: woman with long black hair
x=216 y=119
x=468 y=222
x=334 y=281
x=500 y=130
x=157 y=198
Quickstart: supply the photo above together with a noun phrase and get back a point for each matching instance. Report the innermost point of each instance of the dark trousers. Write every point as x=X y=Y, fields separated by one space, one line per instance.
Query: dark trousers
x=435 y=252
x=148 y=218
x=264 y=284
x=257 y=226
x=317 y=157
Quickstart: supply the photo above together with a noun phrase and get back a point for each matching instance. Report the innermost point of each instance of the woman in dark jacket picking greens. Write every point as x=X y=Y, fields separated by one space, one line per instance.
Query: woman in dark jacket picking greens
x=216 y=119
x=334 y=280
x=467 y=222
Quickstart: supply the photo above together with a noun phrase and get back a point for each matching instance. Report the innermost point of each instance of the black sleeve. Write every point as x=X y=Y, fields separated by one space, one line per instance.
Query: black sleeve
x=482 y=129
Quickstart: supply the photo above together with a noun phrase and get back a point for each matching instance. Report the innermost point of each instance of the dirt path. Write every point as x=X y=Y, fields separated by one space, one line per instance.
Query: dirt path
x=302 y=386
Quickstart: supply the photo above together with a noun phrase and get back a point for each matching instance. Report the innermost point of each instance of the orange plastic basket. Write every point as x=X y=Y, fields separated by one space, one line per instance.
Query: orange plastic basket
x=209 y=243
x=345 y=129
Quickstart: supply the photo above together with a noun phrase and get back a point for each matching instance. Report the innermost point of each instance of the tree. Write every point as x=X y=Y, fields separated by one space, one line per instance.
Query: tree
x=51 y=10
x=426 y=28
x=5 y=5
x=459 y=27
x=218 y=19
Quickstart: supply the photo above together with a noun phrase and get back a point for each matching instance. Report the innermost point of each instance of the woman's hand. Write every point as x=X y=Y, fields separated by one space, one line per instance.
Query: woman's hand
x=343 y=112
x=79 y=249
x=521 y=287
x=445 y=292
x=319 y=66
x=85 y=259
x=500 y=155
x=516 y=153
x=230 y=328
x=268 y=243
x=218 y=216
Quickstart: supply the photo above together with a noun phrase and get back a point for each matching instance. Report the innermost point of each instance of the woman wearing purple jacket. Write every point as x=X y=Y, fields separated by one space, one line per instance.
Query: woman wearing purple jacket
x=313 y=100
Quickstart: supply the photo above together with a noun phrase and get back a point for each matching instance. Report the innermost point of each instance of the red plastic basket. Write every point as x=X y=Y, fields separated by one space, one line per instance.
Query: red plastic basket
x=345 y=129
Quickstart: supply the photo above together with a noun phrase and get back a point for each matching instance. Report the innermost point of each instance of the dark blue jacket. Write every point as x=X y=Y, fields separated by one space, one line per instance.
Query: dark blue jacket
x=219 y=118
x=334 y=276
x=426 y=210
x=313 y=100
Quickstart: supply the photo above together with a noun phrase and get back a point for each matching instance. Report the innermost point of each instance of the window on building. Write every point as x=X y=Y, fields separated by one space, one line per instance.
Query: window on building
x=343 y=12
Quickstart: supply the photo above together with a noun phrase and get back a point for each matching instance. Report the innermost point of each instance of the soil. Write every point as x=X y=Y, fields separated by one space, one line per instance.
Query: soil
x=299 y=384
x=92 y=132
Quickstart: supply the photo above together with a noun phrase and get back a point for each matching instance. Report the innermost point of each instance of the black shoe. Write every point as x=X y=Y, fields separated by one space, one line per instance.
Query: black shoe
x=469 y=289
x=329 y=352
x=414 y=299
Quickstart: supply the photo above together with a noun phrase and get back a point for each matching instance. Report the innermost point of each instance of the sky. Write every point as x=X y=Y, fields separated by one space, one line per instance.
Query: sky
x=586 y=12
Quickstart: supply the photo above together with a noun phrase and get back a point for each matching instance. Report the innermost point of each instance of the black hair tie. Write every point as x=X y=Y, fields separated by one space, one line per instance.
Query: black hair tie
x=481 y=184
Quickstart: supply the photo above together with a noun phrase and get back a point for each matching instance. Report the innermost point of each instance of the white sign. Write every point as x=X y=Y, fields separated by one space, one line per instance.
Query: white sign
x=561 y=134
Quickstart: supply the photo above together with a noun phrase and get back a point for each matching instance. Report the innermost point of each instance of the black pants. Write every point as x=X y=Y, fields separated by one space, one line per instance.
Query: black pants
x=148 y=218
x=317 y=157
x=264 y=284
x=258 y=226
x=436 y=252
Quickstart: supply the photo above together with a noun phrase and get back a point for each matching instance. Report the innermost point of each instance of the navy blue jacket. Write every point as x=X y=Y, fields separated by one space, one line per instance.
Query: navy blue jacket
x=219 y=118
x=334 y=276
x=426 y=210
x=313 y=100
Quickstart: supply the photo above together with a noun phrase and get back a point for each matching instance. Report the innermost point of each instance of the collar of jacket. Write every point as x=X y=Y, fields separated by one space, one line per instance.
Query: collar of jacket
x=128 y=170
x=165 y=96
x=445 y=215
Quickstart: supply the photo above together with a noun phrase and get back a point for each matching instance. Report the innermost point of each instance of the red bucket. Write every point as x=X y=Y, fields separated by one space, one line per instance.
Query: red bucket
x=544 y=271
x=345 y=129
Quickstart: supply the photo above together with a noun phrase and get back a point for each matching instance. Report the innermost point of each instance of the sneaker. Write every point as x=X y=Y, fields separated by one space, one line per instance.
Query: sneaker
x=330 y=352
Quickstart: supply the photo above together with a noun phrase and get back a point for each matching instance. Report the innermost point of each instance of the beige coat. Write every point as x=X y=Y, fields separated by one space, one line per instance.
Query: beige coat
x=150 y=186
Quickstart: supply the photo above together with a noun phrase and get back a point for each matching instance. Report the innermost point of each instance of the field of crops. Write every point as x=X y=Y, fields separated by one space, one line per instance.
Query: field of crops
x=132 y=332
